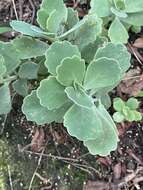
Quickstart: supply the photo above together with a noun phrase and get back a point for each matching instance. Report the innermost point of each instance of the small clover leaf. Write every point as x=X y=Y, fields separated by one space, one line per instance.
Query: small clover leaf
x=57 y=52
x=118 y=117
x=118 y=104
x=79 y=97
x=70 y=70
x=132 y=103
x=51 y=93
x=101 y=73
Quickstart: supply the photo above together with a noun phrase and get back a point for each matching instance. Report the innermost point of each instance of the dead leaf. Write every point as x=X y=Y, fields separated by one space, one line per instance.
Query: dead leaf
x=38 y=140
x=138 y=43
x=104 y=160
x=96 y=185
x=132 y=84
x=117 y=170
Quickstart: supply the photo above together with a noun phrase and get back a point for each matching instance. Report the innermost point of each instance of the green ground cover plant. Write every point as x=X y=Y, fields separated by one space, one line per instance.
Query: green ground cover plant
x=65 y=69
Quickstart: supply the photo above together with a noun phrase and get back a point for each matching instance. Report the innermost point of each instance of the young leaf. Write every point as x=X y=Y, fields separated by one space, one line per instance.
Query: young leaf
x=102 y=73
x=88 y=31
x=137 y=115
x=79 y=97
x=118 y=104
x=21 y=87
x=2 y=66
x=10 y=56
x=35 y=112
x=100 y=7
x=104 y=98
x=70 y=70
x=83 y=123
x=132 y=103
x=52 y=14
x=117 y=32
x=5 y=99
x=28 y=70
x=107 y=141
x=28 y=47
x=118 y=117
x=57 y=52
x=51 y=93
x=27 y=29
x=116 y=51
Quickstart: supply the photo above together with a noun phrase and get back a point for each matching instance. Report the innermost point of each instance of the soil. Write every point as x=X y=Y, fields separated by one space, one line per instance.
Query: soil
x=60 y=161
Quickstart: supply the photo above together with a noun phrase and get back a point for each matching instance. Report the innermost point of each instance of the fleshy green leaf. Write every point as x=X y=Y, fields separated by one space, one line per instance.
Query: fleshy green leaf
x=88 y=31
x=10 y=56
x=4 y=29
x=70 y=70
x=28 y=70
x=132 y=103
x=118 y=104
x=137 y=116
x=35 y=112
x=100 y=7
x=21 y=87
x=132 y=6
x=5 y=99
x=28 y=47
x=108 y=139
x=51 y=93
x=2 y=66
x=79 y=97
x=118 y=117
x=118 y=13
x=27 y=29
x=104 y=98
x=57 y=52
x=52 y=14
x=116 y=51
x=117 y=32
x=83 y=123
x=102 y=73
x=134 y=19
x=88 y=52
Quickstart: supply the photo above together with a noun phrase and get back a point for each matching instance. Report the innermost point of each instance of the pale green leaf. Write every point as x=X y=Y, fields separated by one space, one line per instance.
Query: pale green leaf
x=21 y=87
x=28 y=47
x=10 y=56
x=134 y=19
x=5 y=99
x=100 y=7
x=70 y=70
x=4 y=29
x=35 y=112
x=132 y=103
x=118 y=13
x=118 y=52
x=28 y=70
x=51 y=93
x=104 y=98
x=53 y=11
x=108 y=139
x=79 y=97
x=117 y=32
x=103 y=72
x=137 y=116
x=57 y=52
x=27 y=29
x=118 y=117
x=88 y=31
x=88 y=52
x=2 y=66
x=83 y=123
x=132 y=6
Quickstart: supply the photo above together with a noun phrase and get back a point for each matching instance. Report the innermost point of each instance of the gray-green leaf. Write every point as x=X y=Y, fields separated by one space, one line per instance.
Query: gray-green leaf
x=5 y=99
